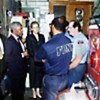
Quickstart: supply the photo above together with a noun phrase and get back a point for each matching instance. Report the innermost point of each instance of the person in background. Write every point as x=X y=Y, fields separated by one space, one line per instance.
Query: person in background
x=56 y=55
x=80 y=52
x=2 y=65
x=66 y=23
x=34 y=42
x=15 y=55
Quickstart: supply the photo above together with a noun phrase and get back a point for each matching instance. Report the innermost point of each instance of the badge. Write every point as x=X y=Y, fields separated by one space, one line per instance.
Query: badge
x=80 y=42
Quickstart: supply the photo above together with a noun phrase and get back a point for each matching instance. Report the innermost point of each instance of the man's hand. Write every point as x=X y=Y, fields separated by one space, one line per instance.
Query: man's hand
x=76 y=61
x=25 y=54
x=43 y=60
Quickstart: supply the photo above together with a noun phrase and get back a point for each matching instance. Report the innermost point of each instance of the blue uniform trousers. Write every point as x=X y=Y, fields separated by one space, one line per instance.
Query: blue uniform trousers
x=76 y=74
x=52 y=85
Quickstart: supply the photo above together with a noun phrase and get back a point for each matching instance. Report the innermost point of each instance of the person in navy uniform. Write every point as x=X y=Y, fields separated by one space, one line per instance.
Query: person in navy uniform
x=15 y=55
x=80 y=52
x=34 y=42
x=56 y=55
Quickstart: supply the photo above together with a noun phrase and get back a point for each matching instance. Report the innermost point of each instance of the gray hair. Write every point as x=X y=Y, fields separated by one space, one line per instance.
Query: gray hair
x=14 y=25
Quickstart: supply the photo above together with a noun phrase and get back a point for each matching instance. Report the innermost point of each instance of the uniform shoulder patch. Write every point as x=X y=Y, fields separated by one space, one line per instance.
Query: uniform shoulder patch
x=80 y=42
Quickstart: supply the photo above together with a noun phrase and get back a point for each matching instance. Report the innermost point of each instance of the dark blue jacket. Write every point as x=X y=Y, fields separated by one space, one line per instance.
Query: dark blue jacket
x=33 y=45
x=58 y=53
x=16 y=64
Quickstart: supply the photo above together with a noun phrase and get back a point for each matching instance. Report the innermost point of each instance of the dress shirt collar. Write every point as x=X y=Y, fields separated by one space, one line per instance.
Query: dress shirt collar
x=36 y=36
x=15 y=37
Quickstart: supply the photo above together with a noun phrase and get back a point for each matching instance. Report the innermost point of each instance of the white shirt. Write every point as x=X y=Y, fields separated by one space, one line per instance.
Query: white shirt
x=80 y=46
x=36 y=36
x=1 y=46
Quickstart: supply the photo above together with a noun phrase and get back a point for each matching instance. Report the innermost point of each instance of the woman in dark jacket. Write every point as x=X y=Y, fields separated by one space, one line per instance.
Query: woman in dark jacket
x=34 y=42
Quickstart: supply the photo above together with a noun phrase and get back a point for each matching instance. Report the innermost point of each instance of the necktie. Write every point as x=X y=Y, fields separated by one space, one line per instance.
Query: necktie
x=18 y=40
x=21 y=44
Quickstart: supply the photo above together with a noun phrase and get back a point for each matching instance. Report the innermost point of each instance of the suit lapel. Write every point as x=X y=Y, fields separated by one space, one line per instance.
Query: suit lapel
x=16 y=43
x=34 y=38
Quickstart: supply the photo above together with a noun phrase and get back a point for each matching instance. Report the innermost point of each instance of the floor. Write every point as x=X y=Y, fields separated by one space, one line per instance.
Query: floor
x=28 y=95
x=28 y=91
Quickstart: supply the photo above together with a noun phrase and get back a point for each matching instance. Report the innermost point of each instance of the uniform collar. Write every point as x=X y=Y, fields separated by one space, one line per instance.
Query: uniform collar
x=77 y=35
x=57 y=35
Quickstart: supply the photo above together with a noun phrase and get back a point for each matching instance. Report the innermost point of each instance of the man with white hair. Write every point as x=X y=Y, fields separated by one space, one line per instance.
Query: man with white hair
x=15 y=56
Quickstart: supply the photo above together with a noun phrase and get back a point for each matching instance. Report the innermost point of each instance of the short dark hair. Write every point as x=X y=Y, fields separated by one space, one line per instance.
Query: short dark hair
x=58 y=24
x=76 y=24
x=34 y=22
x=66 y=23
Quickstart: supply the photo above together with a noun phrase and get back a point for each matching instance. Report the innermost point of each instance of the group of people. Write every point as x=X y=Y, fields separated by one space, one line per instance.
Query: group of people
x=64 y=56
x=18 y=59
x=53 y=66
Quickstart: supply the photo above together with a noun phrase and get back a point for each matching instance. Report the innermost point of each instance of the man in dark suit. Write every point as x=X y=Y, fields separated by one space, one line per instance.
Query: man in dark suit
x=15 y=55
x=2 y=67
x=34 y=42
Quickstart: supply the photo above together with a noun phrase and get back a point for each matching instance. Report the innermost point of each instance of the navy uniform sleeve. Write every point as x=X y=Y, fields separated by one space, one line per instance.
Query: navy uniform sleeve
x=41 y=54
